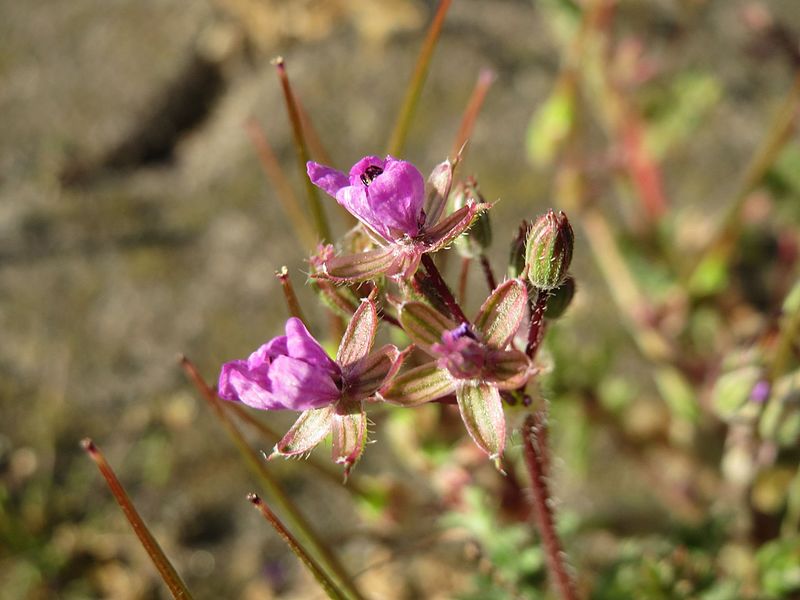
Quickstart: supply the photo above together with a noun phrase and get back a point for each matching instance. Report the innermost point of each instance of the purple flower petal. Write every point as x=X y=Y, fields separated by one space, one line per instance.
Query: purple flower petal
x=301 y=345
x=238 y=383
x=328 y=179
x=364 y=166
x=298 y=385
x=267 y=352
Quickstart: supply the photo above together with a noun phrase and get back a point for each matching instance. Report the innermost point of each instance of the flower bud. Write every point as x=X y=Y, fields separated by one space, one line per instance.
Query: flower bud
x=479 y=236
x=560 y=298
x=549 y=250
x=516 y=256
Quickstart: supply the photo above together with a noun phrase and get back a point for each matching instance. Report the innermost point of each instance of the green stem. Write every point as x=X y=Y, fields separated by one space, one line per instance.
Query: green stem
x=400 y=132
x=314 y=204
x=270 y=485
x=319 y=574
x=149 y=543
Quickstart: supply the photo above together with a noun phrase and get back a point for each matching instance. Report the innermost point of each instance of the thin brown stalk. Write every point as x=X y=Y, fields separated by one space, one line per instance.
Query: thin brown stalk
x=482 y=85
x=168 y=573
x=296 y=519
x=536 y=327
x=288 y=294
x=534 y=452
x=308 y=561
x=301 y=151
x=280 y=183
x=463 y=279
x=443 y=290
x=400 y=132
x=488 y=273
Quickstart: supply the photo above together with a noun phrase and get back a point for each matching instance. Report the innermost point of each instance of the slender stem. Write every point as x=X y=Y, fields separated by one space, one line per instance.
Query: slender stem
x=463 y=278
x=542 y=507
x=314 y=204
x=288 y=293
x=400 y=132
x=482 y=85
x=536 y=329
x=160 y=560
x=270 y=485
x=488 y=273
x=443 y=290
x=283 y=189
x=318 y=150
x=319 y=574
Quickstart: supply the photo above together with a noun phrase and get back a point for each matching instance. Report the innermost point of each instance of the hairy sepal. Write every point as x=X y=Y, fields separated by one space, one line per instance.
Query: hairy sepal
x=437 y=189
x=418 y=386
x=349 y=429
x=368 y=374
x=443 y=233
x=482 y=412
x=502 y=313
x=309 y=430
x=358 y=267
x=359 y=335
x=423 y=324
x=509 y=369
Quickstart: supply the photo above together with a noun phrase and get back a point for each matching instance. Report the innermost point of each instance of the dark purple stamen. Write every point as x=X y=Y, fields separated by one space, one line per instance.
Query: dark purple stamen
x=462 y=331
x=370 y=173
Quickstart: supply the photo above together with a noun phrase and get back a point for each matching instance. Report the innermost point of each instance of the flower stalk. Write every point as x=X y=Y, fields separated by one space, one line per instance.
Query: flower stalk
x=441 y=287
x=168 y=573
x=308 y=561
x=535 y=460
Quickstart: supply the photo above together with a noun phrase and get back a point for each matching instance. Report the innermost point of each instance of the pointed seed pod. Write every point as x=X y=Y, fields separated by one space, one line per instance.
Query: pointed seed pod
x=549 y=250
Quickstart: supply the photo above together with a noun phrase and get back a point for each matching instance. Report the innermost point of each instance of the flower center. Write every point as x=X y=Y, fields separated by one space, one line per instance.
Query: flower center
x=370 y=173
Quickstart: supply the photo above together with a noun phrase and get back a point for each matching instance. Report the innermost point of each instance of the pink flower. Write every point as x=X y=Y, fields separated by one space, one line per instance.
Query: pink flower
x=389 y=196
x=293 y=372
x=288 y=372
x=385 y=194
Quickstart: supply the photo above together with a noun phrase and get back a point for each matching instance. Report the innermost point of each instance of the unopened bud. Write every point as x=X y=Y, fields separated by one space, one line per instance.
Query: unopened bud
x=560 y=299
x=516 y=256
x=549 y=250
x=479 y=236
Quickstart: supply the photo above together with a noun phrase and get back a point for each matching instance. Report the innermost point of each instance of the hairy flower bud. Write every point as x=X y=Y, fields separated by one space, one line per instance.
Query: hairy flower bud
x=560 y=299
x=479 y=237
x=549 y=250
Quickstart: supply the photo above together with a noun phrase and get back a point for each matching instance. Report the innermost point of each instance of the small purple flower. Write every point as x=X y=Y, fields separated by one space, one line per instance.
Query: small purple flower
x=760 y=392
x=291 y=371
x=461 y=353
x=390 y=198
x=387 y=194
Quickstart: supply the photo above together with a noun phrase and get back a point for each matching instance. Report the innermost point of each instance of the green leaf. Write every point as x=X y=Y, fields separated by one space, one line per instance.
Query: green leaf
x=502 y=313
x=732 y=390
x=417 y=386
x=482 y=413
x=423 y=324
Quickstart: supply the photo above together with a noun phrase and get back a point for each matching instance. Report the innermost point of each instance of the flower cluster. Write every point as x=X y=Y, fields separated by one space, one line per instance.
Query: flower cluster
x=476 y=363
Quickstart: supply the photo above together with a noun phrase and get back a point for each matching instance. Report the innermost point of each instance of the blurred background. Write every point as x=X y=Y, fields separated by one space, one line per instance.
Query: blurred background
x=136 y=223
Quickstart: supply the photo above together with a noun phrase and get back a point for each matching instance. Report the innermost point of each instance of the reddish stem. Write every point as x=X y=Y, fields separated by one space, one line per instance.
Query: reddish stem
x=537 y=323
x=488 y=273
x=535 y=453
x=463 y=277
x=443 y=290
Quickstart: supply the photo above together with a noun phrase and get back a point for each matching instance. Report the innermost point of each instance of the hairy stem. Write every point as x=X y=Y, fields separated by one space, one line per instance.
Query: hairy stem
x=536 y=329
x=488 y=273
x=443 y=290
x=535 y=453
